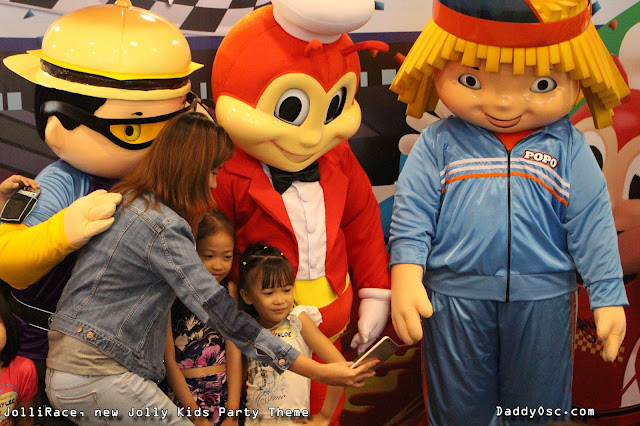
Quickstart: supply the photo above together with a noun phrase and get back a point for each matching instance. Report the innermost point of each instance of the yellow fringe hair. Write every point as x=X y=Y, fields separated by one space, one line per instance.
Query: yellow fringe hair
x=584 y=57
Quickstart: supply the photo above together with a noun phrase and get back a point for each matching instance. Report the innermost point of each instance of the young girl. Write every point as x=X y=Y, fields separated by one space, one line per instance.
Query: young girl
x=108 y=334
x=203 y=370
x=18 y=382
x=266 y=283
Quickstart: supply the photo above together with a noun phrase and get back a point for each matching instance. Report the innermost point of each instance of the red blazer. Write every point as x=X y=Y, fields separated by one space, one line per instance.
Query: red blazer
x=355 y=241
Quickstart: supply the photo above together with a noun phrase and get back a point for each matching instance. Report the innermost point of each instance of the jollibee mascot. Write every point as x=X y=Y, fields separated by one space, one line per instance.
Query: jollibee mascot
x=284 y=81
x=107 y=79
x=499 y=205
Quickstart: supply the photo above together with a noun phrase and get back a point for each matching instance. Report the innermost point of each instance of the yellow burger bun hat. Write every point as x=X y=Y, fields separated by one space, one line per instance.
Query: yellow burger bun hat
x=113 y=51
x=533 y=33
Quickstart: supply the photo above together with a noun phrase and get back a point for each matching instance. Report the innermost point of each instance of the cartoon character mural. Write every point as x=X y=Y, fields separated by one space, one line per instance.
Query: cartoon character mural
x=107 y=78
x=613 y=389
x=284 y=81
x=509 y=72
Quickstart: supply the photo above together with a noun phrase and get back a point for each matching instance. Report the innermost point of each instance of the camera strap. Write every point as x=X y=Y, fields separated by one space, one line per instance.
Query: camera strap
x=35 y=317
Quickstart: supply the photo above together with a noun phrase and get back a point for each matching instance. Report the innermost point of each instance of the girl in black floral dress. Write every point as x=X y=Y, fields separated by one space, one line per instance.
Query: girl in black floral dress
x=203 y=370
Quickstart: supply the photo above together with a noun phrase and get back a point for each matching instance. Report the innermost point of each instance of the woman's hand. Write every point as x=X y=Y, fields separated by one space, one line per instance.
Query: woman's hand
x=341 y=373
x=335 y=373
x=10 y=186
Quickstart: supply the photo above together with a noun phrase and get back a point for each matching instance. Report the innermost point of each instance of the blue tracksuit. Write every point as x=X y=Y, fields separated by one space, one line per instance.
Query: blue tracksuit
x=494 y=226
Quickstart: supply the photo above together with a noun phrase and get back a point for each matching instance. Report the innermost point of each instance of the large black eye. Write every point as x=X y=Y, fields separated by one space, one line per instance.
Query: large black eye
x=336 y=105
x=543 y=85
x=470 y=81
x=292 y=107
x=599 y=157
x=631 y=189
x=595 y=142
x=634 y=188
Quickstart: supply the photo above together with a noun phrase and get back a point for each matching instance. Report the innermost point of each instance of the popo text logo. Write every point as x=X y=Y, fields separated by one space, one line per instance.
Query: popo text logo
x=541 y=157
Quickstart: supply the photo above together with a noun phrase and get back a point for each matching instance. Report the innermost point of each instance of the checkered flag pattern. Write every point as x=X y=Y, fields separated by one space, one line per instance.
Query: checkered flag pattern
x=204 y=16
x=585 y=345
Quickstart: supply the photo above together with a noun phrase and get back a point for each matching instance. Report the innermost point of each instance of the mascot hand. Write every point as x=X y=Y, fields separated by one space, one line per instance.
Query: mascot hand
x=409 y=301
x=611 y=326
x=89 y=216
x=374 y=314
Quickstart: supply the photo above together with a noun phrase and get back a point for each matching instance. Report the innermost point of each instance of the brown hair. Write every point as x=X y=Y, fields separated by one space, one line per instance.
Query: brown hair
x=177 y=167
x=214 y=222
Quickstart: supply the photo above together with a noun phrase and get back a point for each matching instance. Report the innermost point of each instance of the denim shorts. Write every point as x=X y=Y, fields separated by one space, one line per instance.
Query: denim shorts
x=114 y=399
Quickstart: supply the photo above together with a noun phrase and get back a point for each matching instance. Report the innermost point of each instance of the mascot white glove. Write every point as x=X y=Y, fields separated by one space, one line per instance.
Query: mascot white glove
x=611 y=326
x=373 y=316
x=89 y=216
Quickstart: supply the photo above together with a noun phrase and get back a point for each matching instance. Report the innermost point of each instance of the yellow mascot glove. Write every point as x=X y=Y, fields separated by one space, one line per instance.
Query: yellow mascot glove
x=611 y=326
x=409 y=301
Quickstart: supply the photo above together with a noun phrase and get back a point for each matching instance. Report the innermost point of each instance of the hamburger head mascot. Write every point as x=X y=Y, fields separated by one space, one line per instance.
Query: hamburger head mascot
x=107 y=79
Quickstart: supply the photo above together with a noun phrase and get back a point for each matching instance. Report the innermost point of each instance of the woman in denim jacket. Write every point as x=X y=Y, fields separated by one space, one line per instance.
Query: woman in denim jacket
x=107 y=335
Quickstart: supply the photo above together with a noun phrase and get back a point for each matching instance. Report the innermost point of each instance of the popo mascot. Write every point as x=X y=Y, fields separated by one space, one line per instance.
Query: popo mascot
x=613 y=390
x=284 y=81
x=107 y=79
x=498 y=205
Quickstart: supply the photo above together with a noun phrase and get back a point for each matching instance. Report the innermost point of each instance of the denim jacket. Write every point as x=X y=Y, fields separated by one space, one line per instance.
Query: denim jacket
x=125 y=281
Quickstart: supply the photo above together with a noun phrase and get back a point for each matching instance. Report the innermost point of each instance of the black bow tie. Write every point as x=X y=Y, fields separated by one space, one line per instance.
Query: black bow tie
x=282 y=180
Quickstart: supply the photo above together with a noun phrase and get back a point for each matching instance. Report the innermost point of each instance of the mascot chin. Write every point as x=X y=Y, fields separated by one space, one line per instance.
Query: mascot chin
x=284 y=81
x=107 y=79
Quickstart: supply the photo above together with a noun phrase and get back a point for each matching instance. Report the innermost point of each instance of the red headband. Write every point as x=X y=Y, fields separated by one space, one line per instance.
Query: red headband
x=510 y=34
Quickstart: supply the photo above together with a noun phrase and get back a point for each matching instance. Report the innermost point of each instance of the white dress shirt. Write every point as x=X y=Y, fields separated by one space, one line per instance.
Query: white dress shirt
x=304 y=202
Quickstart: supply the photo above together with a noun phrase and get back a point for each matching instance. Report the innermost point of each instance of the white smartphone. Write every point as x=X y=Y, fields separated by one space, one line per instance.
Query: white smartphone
x=380 y=351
